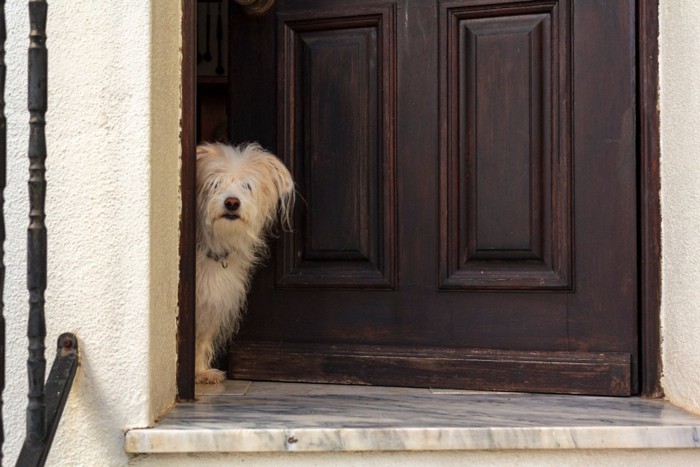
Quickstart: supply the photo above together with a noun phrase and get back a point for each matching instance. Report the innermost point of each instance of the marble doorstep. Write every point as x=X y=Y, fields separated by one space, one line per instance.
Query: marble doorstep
x=240 y=416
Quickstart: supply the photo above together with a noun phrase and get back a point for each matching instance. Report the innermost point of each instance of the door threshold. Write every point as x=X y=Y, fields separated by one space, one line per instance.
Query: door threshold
x=245 y=416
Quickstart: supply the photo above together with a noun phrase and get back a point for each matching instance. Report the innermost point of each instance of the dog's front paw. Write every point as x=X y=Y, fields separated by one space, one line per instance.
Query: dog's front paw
x=210 y=376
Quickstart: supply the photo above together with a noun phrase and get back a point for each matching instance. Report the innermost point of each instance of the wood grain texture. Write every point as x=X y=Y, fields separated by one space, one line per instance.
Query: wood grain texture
x=548 y=372
x=337 y=136
x=186 y=288
x=571 y=44
x=649 y=203
x=505 y=153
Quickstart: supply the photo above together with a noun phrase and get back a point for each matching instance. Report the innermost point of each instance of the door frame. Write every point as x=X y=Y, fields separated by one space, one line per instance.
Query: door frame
x=648 y=202
x=188 y=212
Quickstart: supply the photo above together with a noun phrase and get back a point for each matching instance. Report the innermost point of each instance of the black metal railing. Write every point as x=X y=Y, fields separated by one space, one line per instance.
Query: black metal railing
x=36 y=232
x=46 y=402
x=3 y=172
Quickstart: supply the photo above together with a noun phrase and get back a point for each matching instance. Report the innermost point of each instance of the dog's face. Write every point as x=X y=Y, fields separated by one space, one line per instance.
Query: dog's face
x=241 y=191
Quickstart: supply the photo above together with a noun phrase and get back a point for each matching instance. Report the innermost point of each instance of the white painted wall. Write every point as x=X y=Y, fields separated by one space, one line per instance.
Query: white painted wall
x=113 y=217
x=113 y=214
x=679 y=66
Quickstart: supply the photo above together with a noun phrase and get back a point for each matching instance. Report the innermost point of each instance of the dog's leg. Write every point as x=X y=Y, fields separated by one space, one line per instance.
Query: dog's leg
x=204 y=354
x=210 y=376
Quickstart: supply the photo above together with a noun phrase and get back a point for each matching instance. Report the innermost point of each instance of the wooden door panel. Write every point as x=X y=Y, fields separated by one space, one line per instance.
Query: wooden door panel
x=468 y=174
x=440 y=367
x=505 y=149
x=519 y=321
x=604 y=310
x=337 y=102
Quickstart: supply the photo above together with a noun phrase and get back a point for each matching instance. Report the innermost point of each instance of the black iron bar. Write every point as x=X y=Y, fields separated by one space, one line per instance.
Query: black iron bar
x=36 y=233
x=57 y=389
x=3 y=179
x=46 y=403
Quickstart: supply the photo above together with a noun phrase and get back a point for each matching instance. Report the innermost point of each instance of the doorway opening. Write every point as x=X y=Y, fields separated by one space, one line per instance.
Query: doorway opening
x=465 y=224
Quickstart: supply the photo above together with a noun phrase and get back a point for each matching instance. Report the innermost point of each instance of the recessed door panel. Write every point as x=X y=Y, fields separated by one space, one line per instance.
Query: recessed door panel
x=337 y=123
x=506 y=153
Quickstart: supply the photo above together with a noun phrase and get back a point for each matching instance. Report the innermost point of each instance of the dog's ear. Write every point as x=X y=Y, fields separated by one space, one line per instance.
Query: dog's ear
x=281 y=176
x=281 y=183
x=204 y=150
x=207 y=160
x=287 y=192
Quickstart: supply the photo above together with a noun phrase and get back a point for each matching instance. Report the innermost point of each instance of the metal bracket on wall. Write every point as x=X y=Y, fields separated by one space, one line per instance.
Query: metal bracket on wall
x=58 y=385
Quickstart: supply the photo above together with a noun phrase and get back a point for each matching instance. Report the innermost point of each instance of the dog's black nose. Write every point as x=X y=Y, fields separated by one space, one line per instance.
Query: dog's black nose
x=232 y=204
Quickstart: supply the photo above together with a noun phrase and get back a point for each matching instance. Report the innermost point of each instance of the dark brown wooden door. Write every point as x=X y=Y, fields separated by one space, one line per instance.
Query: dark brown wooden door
x=467 y=180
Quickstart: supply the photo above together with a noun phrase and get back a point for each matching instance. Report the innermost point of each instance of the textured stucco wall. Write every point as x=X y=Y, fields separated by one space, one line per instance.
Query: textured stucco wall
x=113 y=214
x=679 y=59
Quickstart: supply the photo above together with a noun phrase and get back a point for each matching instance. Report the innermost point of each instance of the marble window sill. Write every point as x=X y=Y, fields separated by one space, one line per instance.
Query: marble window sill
x=240 y=416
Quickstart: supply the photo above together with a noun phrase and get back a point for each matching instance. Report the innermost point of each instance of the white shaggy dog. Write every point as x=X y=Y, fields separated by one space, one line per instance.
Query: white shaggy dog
x=241 y=192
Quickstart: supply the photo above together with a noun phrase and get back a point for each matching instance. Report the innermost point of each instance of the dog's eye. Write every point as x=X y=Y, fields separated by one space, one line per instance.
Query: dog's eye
x=247 y=186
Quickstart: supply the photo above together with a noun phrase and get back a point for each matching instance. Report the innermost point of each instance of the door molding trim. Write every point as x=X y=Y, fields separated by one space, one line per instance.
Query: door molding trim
x=589 y=373
x=648 y=198
x=188 y=141
x=649 y=230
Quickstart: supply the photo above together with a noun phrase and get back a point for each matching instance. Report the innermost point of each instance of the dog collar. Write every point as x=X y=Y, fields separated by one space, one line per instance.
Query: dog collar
x=223 y=259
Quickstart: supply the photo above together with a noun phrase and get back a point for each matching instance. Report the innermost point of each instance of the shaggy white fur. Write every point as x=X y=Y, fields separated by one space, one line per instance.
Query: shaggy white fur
x=241 y=192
